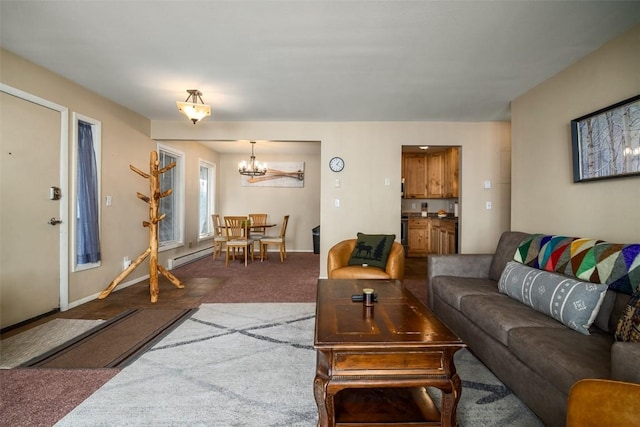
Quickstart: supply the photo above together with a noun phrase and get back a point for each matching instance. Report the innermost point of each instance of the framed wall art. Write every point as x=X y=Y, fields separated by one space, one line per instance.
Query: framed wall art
x=279 y=174
x=606 y=143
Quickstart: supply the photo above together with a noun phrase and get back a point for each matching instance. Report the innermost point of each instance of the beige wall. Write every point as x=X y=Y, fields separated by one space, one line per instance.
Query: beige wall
x=372 y=152
x=301 y=204
x=125 y=141
x=544 y=197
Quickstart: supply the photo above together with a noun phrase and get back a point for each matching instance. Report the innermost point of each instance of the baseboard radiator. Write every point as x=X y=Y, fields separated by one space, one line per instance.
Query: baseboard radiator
x=187 y=258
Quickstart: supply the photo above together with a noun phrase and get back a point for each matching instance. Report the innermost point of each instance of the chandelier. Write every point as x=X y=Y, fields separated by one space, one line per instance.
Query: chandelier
x=252 y=168
x=194 y=111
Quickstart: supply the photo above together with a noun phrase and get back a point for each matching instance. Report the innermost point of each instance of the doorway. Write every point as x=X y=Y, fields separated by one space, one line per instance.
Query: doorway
x=33 y=161
x=431 y=198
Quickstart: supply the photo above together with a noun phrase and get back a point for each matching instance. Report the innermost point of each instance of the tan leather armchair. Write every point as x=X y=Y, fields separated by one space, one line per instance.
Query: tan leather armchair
x=600 y=402
x=338 y=263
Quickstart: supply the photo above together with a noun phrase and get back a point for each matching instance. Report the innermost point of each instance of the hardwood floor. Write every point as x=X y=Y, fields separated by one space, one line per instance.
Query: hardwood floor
x=137 y=296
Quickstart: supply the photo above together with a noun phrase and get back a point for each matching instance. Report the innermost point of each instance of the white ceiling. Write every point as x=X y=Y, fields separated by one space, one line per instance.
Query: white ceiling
x=313 y=60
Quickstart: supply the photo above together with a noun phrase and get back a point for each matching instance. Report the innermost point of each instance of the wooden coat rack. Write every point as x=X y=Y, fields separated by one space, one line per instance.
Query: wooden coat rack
x=154 y=219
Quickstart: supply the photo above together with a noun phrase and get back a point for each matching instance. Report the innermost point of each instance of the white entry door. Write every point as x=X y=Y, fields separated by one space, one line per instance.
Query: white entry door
x=30 y=139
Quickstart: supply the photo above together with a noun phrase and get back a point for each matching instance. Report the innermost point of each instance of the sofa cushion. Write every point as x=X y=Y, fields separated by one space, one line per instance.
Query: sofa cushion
x=497 y=314
x=452 y=289
x=628 y=329
x=561 y=355
x=625 y=357
x=591 y=260
x=372 y=249
x=567 y=300
x=507 y=246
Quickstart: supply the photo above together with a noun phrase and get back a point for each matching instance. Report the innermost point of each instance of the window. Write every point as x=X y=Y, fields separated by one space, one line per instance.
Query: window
x=206 y=199
x=171 y=228
x=86 y=173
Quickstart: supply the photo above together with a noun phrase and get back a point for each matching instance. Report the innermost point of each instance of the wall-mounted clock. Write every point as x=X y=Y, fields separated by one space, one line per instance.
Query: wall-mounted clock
x=336 y=164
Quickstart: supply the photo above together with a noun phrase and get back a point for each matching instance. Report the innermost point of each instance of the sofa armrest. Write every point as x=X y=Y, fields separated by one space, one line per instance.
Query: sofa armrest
x=460 y=265
x=625 y=359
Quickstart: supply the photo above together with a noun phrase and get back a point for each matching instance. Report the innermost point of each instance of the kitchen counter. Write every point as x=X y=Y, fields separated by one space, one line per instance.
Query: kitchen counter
x=431 y=215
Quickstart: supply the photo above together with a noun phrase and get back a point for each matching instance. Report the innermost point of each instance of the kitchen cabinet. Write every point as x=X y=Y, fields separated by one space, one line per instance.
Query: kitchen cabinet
x=430 y=236
x=442 y=236
x=431 y=176
x=435 y=174
x=418 y=237
x=434 y=236
x=414 y=172
x=451 y=173
x=447 y=238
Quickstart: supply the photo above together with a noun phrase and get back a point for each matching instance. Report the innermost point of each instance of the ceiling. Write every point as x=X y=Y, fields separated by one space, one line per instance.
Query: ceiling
x=313 y=60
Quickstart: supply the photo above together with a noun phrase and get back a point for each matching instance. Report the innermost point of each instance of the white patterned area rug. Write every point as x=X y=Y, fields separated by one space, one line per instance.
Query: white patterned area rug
x=485 y=401
x=247 y=365
x=34 y=342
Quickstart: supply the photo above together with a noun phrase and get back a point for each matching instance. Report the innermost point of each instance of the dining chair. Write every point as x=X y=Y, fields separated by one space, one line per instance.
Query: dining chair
x=275 y=240
x=219 y=235
x=238 y=237
x=258 y=232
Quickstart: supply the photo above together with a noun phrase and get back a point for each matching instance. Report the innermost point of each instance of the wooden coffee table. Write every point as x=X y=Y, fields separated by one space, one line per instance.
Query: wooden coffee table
x=373 y=364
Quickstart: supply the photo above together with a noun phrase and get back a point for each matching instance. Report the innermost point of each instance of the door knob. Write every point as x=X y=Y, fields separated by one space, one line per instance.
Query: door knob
x=55 y=221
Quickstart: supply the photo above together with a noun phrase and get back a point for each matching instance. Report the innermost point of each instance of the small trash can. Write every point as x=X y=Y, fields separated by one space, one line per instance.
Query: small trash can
x=316 y=240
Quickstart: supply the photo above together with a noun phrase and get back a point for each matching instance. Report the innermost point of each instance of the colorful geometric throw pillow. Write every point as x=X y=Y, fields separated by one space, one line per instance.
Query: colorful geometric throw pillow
x=590 y=260
x=628 y=328
x=372 y=249
x=570 y=301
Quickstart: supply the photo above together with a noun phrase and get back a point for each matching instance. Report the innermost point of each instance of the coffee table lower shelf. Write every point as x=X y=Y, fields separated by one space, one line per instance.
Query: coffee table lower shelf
x=409 y=406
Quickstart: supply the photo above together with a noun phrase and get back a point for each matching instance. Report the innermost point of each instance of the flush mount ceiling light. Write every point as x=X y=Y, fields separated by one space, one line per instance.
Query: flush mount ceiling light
x=194 y=111
x=252 y=168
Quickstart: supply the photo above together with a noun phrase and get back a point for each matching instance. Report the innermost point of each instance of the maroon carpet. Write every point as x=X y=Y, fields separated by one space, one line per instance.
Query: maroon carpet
x=294 y=280
x=261 y=281
x=41 y=397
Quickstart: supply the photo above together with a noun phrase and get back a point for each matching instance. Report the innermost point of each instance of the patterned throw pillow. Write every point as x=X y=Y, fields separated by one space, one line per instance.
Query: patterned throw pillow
x=574 y=303
x=628 y=328
x=372 y=249
x=590 y=260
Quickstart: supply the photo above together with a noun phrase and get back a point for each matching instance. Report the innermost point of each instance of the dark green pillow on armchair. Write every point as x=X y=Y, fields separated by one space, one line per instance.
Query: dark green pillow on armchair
x=372 y=249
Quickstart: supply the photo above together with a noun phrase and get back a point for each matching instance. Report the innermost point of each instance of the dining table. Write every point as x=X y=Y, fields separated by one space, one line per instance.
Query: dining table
x=252 y=227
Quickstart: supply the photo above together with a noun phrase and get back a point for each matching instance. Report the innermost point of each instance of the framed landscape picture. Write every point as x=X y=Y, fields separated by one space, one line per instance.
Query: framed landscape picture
x=279 y=174
x=606 y=143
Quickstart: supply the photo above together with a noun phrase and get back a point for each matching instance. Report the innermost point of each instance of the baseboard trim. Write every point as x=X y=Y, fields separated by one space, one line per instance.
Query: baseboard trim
x=122 y=285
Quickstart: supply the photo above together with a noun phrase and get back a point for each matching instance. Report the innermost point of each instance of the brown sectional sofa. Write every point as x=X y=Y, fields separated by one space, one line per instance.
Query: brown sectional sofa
x=537 y=357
